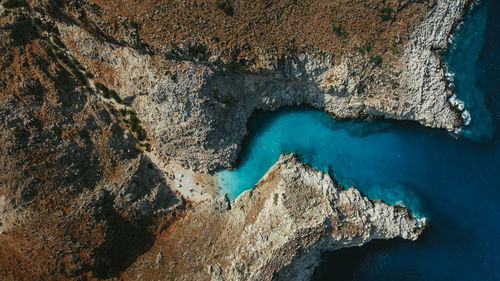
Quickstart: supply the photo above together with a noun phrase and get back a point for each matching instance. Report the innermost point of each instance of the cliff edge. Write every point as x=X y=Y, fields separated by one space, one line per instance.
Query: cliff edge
x=277 y=230
x=114 y=114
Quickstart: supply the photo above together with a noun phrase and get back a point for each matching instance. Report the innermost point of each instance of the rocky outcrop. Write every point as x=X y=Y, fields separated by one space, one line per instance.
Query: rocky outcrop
x=74 y=186
x=197 y=109
x=276 y=230
x=424 y=74
x=80 y=195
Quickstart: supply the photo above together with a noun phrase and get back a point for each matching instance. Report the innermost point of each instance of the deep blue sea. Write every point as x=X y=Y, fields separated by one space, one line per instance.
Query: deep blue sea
x=453 y=181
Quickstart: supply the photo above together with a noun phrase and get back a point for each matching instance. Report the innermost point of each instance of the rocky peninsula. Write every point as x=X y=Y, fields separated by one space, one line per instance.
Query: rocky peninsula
x=114 y=115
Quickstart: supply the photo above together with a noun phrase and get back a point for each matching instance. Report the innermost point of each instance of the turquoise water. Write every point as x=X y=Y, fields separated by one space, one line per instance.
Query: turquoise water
x=452 y=181
x=354 y=152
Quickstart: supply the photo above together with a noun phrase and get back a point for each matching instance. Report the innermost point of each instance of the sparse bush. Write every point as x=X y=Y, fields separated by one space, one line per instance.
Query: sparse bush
x=395 y=50
x=173 y=76
x=376 y=60
x=46 y=26
x=11 y=4
x=135 y=25
x=54 y=29
x=140 y=133
x=197 y=50
x=114 y=95
x=37 y=22
x=78 y=75
x=340 y=32
x=103 y=89
x=89 y=90
x=361 y=88
x=134 y=123
x=386 y=13
x=95 y=9
x=226 y=7
x=130 y=24
x=75 y=62
x=58 y=54
x=89 y=74
x=368 y=46
x=58 y=42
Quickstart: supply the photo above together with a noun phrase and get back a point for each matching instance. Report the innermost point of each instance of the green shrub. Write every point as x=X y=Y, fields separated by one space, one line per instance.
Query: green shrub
x=173 y=76
x=37 y=22
x=340 y=32
x=361 y=88
x=47 y=26
x=197 y=50
x=134 y=123
x=89 y=90
x=395 y=50
x=386 y=13
x=368 y=46
x=11 y=4
x=62 y=56
x=114 y=95
x=140 y=133
x=95 y=9
x=56 y=53
x=135 y=25
x=58 y=42
x=78 y=75
x=376 y=60
x=130 y=24
x=226 y=7
x=54 y=29
x=103 y=89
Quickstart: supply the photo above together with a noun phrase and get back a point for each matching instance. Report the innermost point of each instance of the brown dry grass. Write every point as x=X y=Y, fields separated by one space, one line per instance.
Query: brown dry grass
x=263 y=28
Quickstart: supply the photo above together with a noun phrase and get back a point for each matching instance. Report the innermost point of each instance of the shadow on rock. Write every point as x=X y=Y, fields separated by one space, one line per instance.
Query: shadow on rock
x=126 y=241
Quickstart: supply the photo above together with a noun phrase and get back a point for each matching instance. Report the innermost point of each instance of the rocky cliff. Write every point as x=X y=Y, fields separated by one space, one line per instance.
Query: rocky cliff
x=113 y=114
x=276 y=231
x=196 y=95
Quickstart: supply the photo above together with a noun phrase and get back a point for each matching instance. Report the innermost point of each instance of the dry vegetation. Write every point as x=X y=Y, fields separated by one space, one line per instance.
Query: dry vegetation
x=255 y=30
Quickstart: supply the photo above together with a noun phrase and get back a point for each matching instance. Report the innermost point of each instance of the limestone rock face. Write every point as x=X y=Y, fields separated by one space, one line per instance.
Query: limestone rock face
x=197 y=108
x=83 y=195
x=275 y=230
x=424 y=75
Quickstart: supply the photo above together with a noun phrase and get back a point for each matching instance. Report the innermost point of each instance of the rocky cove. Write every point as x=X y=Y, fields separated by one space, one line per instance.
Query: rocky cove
x=194 y=103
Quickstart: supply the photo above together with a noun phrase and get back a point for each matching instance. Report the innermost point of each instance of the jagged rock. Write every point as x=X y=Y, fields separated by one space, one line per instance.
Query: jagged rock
x=277 y=229
x=199 y=118
x=80 y=199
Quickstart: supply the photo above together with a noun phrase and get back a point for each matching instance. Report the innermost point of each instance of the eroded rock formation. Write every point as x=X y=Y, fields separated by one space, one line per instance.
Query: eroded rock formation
x=276 y=230
x=101 y=100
